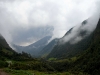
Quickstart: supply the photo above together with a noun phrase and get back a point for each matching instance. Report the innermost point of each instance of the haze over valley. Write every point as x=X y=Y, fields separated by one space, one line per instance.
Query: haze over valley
x=50 y=37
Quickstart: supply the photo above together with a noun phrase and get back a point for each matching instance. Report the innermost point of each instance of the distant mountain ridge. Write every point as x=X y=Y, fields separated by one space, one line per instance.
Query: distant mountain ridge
x=34 y=48
x=32 y=34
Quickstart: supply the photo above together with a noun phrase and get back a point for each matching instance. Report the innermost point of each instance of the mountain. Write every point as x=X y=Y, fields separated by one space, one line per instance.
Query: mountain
x=86 y=62
x=68 y=49
x=3 y=43
x=5 y=50
x=34 y=48
x=32 y=34
x=89 y=61
x=47 y=49
x=19 y=61
x=7 y=53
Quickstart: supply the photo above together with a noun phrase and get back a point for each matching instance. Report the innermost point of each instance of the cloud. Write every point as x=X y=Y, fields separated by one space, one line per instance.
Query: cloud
x=81 y=31
x=20 y=18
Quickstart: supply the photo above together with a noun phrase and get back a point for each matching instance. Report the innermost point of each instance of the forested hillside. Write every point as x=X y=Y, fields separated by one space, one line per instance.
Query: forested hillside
x=20 y=61
x=86 y=62
x=68 y=49
x=89 y=61
x=7 y=53
x=5 y=50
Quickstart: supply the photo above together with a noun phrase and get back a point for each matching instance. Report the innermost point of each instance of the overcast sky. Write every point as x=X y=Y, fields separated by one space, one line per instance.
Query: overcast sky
x=19 y=19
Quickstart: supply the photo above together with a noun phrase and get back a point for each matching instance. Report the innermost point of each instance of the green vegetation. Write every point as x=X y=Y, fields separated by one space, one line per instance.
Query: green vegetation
x=17 y=72
x=3 y=64
x=47 y=49
x=62 y=51
x=34 y=72
x=52 y=59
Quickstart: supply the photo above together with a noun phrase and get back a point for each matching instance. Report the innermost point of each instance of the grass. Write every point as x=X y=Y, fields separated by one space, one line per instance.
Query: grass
x=29 y=72
x=52 y=59
x=17 y=72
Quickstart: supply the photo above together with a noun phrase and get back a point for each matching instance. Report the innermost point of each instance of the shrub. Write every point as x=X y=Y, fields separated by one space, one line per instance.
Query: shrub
x=3 y=64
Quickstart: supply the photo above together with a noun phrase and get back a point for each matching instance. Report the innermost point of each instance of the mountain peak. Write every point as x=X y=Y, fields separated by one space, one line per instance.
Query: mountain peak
x=1 y=37
x=84 y=22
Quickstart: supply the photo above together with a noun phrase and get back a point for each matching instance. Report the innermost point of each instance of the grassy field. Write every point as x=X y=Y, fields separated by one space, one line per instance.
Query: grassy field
x=30 y=72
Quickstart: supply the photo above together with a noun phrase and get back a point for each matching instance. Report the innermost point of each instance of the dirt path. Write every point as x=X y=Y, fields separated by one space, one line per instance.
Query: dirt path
x=2 y=72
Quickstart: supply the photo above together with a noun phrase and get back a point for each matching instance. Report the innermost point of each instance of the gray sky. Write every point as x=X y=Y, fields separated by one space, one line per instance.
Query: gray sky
x=20 y=19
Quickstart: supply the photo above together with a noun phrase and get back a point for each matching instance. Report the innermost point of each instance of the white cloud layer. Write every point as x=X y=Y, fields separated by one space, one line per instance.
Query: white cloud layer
x=17 y=15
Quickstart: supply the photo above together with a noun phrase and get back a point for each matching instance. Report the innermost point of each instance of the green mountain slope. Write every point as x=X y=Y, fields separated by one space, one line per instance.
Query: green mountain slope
x=3 y=43
x=86 y=62
x=47 y=49
x=89 y=61
x=5 y=50
x=20 y=61
x=69 y=50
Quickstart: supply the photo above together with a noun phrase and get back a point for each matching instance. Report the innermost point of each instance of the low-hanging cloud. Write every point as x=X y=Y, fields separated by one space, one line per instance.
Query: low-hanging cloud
x=18 y=17
x=81 y=31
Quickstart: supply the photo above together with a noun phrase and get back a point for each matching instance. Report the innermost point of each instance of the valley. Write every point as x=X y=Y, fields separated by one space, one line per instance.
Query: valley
x=84 y=61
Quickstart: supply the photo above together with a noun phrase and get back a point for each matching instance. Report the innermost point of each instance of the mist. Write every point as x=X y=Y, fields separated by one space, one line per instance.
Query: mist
x=81 y=30
x=21 y=19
